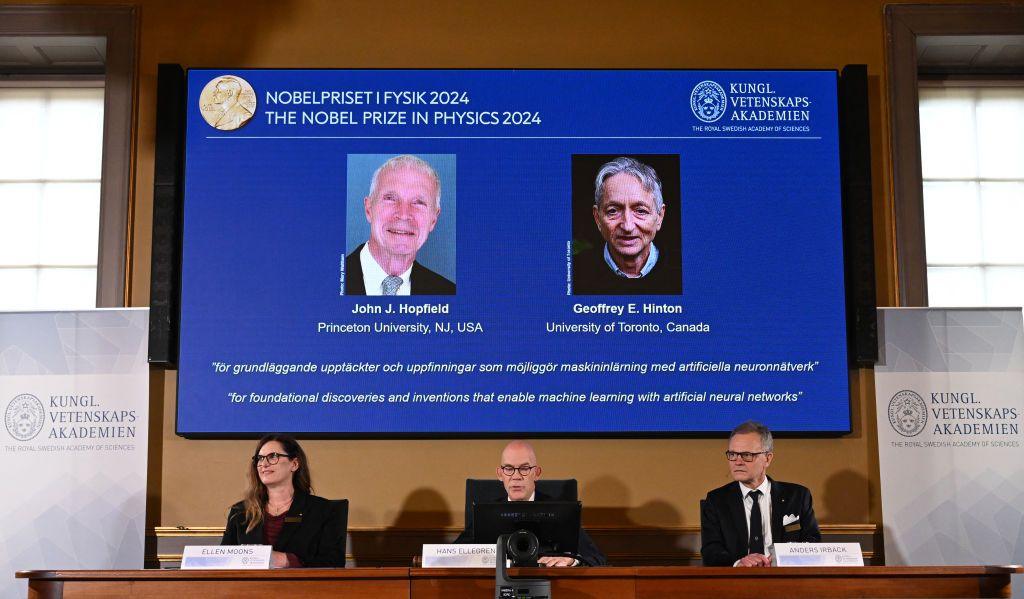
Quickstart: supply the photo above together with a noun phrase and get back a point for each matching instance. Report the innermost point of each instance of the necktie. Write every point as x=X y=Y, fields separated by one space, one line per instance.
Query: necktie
x=756 y=539
x=391 y=285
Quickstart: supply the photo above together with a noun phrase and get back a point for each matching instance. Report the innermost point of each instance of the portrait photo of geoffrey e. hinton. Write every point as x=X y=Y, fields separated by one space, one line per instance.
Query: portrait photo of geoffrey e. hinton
x=626 y=225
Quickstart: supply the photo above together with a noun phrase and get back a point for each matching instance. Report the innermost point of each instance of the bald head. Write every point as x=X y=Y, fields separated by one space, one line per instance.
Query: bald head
x=518 y=456
x=518 y=448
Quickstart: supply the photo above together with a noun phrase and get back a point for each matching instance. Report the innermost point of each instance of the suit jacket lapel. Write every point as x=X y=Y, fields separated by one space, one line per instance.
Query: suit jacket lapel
x=290 y=528
x=354 y=274
x=779 y=508
x=739 y=517
x=414 y=277
x=253 y=537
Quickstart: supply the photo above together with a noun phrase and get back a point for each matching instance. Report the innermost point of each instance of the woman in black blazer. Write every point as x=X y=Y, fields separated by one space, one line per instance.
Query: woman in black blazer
x=280 y=510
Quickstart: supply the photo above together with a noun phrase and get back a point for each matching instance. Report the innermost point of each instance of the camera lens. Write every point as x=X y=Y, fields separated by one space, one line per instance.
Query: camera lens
x=522 y=548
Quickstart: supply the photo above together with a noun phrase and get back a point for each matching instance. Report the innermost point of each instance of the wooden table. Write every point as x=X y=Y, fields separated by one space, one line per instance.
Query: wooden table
x=346 y=583
x=869 y=581
x=575 y=583
x=658 y=582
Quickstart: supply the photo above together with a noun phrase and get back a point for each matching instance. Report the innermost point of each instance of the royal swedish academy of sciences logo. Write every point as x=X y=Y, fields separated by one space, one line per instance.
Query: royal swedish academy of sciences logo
x=708 y=101
x=25 y=417
x=908 y=413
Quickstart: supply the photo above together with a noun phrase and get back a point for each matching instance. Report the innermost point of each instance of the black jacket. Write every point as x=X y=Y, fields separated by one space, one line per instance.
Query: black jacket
x=312 y=531
x=723 y=521
x=589 y=554
x=422 y=280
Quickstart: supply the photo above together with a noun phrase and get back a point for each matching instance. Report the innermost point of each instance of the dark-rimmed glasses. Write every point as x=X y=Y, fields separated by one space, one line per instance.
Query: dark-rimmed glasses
x=746 y=456
x=270 y=458
x=522 y=470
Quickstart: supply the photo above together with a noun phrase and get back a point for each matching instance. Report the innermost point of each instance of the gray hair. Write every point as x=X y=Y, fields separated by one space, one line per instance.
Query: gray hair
x=753 y=426
x=408 y=161
x=623 y=164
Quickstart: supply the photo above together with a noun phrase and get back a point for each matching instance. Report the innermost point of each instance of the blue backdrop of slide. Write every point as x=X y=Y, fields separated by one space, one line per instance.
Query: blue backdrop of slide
x=270 y=341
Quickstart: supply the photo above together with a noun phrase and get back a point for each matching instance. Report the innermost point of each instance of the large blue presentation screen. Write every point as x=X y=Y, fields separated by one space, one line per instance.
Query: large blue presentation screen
x=531 y=252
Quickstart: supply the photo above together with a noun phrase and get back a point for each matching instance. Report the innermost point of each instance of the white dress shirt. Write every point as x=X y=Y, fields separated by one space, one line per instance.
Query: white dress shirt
x=765 y=501
x=374 y=275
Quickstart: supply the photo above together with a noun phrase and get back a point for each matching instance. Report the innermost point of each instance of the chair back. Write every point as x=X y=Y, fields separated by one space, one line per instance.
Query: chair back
x=340 y=507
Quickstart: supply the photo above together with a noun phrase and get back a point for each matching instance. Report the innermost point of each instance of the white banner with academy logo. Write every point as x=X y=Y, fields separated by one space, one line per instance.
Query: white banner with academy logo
x=74 y=397
x=950 y=396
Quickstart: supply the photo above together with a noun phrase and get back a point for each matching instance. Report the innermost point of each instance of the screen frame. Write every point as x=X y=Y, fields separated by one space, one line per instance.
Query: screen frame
x=564 y=514
x=845 y=280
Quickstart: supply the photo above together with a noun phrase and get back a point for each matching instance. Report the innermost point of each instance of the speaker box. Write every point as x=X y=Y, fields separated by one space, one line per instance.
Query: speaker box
x=165 y=280
x=858 y=227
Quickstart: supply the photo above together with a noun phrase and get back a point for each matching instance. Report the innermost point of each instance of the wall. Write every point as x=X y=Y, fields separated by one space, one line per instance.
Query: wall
x=420 y=483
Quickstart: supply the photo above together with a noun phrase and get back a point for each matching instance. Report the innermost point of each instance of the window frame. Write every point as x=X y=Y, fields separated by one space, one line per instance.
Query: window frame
x=46 y=83
x=903 y=23
x=119 y=25
x=974 y=82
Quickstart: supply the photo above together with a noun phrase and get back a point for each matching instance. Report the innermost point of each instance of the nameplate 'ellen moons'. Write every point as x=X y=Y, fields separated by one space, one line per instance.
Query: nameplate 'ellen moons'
x=231 y=557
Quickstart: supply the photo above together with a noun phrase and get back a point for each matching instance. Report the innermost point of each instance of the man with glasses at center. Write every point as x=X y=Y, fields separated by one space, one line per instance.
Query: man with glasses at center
x=518 y=472
x=740 y=521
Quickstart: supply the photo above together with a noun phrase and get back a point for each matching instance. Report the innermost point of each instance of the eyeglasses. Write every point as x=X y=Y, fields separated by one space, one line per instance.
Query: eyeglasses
x=522 y=470
x=270 y=458
x=746 y=456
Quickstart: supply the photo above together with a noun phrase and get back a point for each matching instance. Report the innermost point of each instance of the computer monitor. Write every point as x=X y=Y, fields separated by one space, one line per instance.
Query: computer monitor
x=556 y=523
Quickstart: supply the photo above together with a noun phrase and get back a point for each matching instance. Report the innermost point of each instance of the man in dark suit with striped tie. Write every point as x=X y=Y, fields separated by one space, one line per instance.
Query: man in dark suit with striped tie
x=740 y=521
